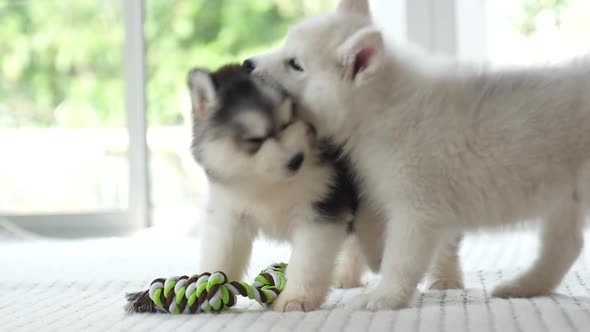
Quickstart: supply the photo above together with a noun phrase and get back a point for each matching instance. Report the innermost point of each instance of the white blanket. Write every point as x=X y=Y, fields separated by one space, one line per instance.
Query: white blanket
x=80 y=286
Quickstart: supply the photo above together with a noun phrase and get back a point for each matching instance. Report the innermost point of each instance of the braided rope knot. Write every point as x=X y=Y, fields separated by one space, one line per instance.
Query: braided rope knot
x=207 y=292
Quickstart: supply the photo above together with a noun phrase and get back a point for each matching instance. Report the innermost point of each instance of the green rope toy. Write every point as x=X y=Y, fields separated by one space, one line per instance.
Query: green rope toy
x=206 y=292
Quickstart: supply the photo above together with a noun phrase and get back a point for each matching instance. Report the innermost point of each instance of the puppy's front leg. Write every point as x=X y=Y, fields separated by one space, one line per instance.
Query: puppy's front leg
x=315 y=246
x=226 y=244
x=410 y=244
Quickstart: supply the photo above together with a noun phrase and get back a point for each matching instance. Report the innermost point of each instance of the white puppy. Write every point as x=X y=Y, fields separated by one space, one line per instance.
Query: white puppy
x=441 y=152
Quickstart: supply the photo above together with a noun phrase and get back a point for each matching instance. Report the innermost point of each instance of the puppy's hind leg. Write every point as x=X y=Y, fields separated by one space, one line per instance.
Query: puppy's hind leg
x=562 y=241
x=351 y=264
x=370 y=232
x=445 y=270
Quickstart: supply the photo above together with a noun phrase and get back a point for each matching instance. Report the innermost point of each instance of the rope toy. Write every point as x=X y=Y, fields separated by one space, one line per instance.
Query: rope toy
x=206 y=292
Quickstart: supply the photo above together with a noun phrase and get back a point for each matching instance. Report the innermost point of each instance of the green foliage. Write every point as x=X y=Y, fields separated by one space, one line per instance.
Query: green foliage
x=61 y=61
x=526 y=22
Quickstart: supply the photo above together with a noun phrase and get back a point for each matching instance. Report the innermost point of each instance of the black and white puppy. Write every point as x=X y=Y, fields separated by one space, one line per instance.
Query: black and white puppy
x=269 y=174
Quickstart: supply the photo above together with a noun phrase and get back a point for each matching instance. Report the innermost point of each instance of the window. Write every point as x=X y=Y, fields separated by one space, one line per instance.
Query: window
x=63 y=137
x=500 y=32
x=78 y=95
x=537 y=31
x=94 y=122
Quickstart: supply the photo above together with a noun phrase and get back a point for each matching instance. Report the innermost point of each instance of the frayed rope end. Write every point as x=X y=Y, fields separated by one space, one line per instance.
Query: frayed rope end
x=139 y=302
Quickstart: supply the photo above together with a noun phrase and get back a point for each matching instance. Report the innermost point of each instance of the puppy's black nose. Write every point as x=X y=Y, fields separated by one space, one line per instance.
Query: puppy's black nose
x=248 y=65
x=295 y=162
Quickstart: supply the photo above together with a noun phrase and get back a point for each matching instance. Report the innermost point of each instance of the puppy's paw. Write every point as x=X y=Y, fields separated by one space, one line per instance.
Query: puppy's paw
x=347 y=280
x=385 y=302
x=376 y=301
x=297 y=301
x=440 y=284
x=519 y=288
x=359 y=302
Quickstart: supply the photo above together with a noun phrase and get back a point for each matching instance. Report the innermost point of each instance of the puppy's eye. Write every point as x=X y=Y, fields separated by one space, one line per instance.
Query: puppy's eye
x=256 y=141
x=294 y=64
x=254 y=144
x=286 y=125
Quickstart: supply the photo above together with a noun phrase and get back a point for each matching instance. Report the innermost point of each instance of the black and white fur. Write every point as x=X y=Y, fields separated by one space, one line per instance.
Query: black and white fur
x=269 y=175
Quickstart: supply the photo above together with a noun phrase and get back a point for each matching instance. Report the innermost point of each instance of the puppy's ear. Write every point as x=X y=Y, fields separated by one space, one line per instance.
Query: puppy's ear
x=203 y=93
x=362 y=54
x=355 y=7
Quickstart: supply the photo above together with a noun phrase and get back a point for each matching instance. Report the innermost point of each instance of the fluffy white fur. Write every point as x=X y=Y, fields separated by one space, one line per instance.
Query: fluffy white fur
x=447 y=150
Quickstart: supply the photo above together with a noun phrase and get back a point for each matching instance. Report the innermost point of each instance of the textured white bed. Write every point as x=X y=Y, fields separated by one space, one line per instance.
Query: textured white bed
x=80 y=285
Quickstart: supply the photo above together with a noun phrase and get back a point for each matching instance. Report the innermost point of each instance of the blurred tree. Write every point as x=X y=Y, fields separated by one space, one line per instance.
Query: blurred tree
x=61 y=62
x=527 y=21
x=554 y=29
